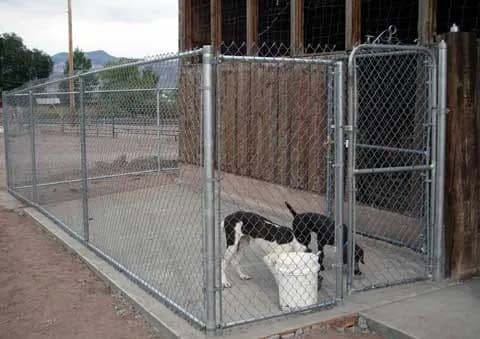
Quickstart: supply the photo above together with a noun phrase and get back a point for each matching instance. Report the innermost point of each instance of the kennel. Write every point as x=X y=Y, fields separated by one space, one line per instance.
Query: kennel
x=150 y=197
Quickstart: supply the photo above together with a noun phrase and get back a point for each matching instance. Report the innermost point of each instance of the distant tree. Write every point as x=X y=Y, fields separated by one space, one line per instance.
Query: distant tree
x=42 y=64
x=127 y=103
x=80 y=62
x=18 y=64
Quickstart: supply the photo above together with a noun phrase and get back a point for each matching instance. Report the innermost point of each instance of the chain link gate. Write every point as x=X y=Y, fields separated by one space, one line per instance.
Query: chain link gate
x=392 y=163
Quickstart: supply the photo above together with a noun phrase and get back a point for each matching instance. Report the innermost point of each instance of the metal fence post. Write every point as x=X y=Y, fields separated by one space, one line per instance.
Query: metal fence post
x=208 y=97
x=339 y=158
x=432 y=159
x=352 y=103
x=158 y=127
x=439 y=272
x=83 y=160
x=330 y=136
x=218 y=192
x=5 y=136
x=32 y=148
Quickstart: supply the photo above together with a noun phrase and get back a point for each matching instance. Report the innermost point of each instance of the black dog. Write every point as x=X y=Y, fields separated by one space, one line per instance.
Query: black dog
x=306 y=223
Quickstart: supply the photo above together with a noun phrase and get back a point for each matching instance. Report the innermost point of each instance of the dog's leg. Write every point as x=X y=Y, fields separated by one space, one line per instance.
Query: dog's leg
x=243 y=243
x=229 y=254
x=320 y=247
x=321 y=255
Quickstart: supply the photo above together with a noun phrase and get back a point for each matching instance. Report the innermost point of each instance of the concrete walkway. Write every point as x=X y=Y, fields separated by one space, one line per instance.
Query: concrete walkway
x=450 y=312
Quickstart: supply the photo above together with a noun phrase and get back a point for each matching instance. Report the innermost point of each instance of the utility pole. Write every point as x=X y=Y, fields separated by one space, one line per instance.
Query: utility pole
x=70 y=63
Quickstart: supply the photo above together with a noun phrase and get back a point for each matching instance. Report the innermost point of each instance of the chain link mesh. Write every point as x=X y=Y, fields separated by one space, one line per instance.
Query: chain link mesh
x=274 y=144
x=144 y=196
x=393 y=152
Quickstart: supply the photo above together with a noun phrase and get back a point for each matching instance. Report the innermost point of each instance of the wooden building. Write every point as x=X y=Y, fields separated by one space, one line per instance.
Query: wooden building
x=337 y=25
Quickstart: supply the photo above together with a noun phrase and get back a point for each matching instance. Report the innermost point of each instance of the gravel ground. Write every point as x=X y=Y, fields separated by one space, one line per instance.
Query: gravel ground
x=334 y=334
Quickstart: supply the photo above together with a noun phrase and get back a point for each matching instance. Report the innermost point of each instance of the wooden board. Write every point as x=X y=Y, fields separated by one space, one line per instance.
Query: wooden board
x=273 y=120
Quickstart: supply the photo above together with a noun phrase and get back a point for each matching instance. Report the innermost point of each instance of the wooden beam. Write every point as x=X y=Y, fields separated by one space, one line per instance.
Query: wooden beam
x=216 y=23
x=252 y=26
x=185 y=25
x=296 y=26
x=427 y=21
x=353 y=23
x=181 y=30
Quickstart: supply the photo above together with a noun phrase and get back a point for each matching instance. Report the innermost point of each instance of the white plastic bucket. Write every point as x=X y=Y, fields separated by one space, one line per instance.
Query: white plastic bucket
x=296 y=274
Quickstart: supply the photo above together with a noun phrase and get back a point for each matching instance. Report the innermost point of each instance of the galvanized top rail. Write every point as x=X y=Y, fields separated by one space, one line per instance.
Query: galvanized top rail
x=322 y=61
x=131 y=90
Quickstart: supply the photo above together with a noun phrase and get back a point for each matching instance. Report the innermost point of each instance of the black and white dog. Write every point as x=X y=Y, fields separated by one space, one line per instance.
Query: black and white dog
x=242 y=227
x=306 y=223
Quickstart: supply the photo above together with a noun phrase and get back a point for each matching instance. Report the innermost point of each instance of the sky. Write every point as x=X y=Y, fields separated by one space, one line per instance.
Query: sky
x=123 y=28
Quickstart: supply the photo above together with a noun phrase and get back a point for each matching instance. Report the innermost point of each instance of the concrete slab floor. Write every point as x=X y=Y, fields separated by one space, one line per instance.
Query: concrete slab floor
x=451 y=312
x=156 y=233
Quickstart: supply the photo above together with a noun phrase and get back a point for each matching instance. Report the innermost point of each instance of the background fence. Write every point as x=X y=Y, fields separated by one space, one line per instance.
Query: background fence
x=143 y=161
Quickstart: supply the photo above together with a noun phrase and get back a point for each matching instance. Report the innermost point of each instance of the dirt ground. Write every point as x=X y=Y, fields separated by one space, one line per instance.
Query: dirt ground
x=45 y=292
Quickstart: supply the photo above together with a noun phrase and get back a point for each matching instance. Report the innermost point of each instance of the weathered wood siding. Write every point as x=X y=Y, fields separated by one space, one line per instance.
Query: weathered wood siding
x=272 y=122
x=463 y=156
x=190 y=106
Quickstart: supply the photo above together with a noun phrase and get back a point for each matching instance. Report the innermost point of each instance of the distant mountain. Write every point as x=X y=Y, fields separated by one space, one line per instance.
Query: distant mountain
x=98 y=58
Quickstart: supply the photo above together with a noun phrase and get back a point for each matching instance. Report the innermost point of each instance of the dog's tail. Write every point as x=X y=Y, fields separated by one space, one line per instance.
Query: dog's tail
x=291 y=209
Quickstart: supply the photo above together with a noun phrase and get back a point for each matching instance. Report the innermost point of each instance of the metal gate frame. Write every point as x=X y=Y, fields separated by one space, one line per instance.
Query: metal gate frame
x=434 y=167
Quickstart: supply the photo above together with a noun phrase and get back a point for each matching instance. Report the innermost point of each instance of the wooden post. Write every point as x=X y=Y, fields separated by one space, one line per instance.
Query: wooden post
x=252 y=26
x=181 y=25
x=216 y=23
x=296 y=26
x=462 y=182
x=427 y=21
x=185 y=25
x=71 y=72
x=353 y=23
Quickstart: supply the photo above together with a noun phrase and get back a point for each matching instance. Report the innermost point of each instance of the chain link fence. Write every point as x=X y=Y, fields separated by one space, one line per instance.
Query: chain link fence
x=204 y=177
x=101 y=154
